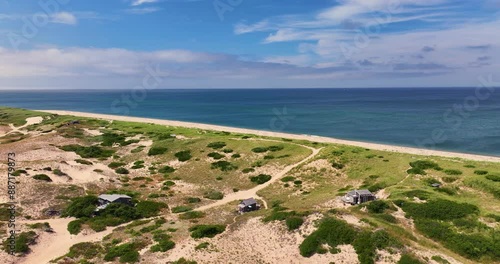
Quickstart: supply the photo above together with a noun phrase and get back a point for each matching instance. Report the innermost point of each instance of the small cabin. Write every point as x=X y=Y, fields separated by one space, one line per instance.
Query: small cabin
x=248 y=205
x=105 y=199
x=358 y=197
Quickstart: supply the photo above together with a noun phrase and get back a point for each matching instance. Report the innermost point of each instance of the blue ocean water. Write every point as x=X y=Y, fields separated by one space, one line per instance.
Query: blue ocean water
x=453 y=119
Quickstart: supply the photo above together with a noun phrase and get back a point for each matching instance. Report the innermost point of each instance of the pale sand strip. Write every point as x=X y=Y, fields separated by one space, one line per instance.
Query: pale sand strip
x=374 y=146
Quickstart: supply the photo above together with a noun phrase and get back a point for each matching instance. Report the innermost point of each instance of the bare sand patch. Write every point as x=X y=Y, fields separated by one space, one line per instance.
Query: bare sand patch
x=256 y=242
x=92 y=132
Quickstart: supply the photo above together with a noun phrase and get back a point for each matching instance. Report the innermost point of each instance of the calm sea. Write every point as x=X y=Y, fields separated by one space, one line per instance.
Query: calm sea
x=458 y=119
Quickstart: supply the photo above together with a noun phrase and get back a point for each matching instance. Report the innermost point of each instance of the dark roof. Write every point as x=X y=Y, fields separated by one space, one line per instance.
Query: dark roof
x=248 y=202
x=113 y=197
x=359 y=192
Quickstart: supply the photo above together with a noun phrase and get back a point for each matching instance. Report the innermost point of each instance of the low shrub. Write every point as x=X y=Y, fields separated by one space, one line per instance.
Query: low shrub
x=450 y=179
x=224 y=166
x=409 y=259
x=216 y=155
x=480 y=172
x=439 y=209
x=377 y=206
x=217 y=145
x=202 y=245
x=21 y=243
x=447 y=190
x=420 y=194
x=193 y=200
x=260 y=149
x=89 y=152
x=210 y=231
x=387 y=217
x=453 y=172
x=275 y=148
x=227 y=150
x=294 y=223
x=181 y=209
x=184 y=155
x=163 y=246
x=419 y=167
x=122 y=170
x=128 y=253
x=288 y=179
x=115 y=164
x=81 y=206
x=261 y=178
x=149 y=208
x=155 y=151
x=248 y=170
x=235 y=156
x=42 y=177
x=166 y=169
x=213 y=195
x=84 y=162
x=330 y=231
x=493 y=177
x=75 y=226
x=184 y=261
x=85 y=250
x=469 y=166
x=337 y=165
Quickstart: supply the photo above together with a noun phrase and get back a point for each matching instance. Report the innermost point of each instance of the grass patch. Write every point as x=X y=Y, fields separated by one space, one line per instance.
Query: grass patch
x=42 y=177
x=210 y=231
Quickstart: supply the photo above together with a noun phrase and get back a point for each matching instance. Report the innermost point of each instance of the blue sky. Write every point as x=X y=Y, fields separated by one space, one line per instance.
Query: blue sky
x=248 y=43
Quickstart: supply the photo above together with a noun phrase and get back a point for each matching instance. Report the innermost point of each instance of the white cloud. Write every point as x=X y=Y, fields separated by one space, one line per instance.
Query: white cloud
x=64 y=18
x=142 y=11
x=140 y=2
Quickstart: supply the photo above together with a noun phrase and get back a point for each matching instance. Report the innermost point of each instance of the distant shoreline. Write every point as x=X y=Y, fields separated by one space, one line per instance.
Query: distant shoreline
x=321 y=139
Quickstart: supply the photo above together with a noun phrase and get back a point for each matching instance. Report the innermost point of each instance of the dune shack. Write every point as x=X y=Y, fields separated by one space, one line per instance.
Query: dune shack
x=248 y=205
x=105 y=199
x=358 y=197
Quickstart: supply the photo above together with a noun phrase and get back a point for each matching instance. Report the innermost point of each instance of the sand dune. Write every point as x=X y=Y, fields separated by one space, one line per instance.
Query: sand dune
x=375 y=146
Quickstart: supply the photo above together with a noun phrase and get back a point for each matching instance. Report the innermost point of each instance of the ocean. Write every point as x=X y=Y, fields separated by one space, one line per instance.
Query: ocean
x=452 y=119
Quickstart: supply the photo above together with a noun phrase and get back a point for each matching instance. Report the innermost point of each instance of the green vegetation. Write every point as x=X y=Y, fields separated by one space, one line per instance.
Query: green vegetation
x=419 y=167
x=202 y=245
x=216 y=145
x=184 y=261
x=155 y=151
x=122 y=170
x=493 y=177
x=138 y=165
x=248 y=170
x=337 y=165
x=81 y=207
x=89 y=152
x=184 y=155
x=109 y=139
x=210 y=231
x=294 y=223
x=377 y=207
x=193 y=200
x=439 y=209
x=453 y=172
x=192 y=215
x=166 y=169
x=181 y=209
x=42 y=177
x=22 y=242
x=261 y=178
x=128 y=253
x=480 y=172
x=216 y=155
x=409 y=259
x=85 y=250
x=84 y=162
x=213 y=195
x=260 y=149
x=163 y=246
x=18 y=172
x=75 y=226
x=224 y=166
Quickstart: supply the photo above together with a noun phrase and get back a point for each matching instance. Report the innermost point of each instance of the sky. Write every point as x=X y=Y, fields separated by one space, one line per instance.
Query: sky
x=118 y=44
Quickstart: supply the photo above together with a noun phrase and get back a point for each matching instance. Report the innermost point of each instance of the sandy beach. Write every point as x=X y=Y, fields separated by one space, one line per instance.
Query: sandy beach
x=374 y=146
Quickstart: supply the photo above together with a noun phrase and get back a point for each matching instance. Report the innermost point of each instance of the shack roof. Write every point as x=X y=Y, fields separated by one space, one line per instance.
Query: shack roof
x=113 y=197
x=248 y=202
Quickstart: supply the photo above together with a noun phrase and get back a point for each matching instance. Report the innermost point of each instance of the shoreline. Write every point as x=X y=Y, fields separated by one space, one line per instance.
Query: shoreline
x=312 y=138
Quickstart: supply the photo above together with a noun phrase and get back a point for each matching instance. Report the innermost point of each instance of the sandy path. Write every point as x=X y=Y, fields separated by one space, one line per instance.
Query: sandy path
x=29 y=121
x=241 y=195
x=375 y=146
x=51 y=246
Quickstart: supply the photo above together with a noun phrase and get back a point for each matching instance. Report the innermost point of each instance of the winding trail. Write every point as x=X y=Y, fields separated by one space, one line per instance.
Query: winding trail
x=241 y=195
x=29 y=121
x=53 y=245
